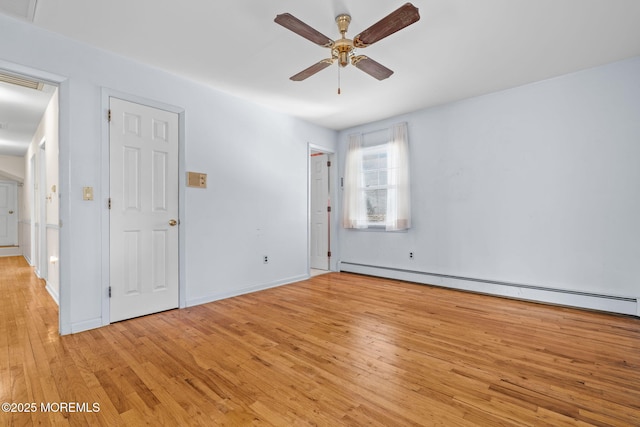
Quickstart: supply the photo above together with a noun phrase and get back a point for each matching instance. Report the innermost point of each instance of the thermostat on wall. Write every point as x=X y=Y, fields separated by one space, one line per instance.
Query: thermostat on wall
x=196 y=179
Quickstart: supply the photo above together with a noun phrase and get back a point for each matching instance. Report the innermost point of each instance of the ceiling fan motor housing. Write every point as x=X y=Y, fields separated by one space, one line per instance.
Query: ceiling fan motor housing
x=342 y=50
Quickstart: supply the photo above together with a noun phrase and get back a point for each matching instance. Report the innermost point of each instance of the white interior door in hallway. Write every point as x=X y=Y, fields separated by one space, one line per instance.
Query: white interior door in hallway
x=143 y=214
x=320 y=212
x=8 y=214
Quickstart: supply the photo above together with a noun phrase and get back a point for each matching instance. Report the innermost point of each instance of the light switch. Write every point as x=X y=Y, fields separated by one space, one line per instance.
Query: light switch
x=87 y=193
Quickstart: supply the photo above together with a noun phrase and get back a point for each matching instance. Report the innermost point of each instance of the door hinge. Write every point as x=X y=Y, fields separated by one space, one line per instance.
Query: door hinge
x=109 y=203
x=328 y=208
x=109 y=291
x=328 y=163
x=329 y=254
x=109 y=115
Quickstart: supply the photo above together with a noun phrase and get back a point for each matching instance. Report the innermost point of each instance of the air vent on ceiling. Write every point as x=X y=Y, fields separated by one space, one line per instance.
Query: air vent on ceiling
x=21 y=81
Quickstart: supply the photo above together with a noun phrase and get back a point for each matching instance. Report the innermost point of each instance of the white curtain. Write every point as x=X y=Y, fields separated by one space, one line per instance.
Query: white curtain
x=354 y=205
x=398 y=193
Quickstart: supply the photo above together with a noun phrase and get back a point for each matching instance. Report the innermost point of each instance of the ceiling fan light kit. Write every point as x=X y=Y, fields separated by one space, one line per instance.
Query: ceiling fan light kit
x=343 y=49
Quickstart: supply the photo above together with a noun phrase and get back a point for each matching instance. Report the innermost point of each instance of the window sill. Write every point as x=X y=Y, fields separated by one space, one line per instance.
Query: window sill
x=377 y=228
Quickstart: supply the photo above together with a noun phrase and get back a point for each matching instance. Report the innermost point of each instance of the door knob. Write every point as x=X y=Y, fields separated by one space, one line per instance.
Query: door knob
x=173 y=222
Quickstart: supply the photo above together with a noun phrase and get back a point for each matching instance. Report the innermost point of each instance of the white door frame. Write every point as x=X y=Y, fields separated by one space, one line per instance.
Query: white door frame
x=33 y=256
x=332 y=197
x=43 y=258
x=103 y=199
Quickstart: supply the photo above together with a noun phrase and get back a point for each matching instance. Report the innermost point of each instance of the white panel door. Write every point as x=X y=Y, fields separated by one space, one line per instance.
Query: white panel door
x=8 y=214
x=319 y=212
x=144 y=210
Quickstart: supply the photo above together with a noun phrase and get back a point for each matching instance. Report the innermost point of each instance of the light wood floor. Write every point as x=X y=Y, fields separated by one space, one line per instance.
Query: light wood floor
x=339 y=349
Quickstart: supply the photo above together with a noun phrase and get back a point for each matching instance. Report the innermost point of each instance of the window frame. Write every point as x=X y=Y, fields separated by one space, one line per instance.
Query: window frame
x=397 y=207
x=380 y=149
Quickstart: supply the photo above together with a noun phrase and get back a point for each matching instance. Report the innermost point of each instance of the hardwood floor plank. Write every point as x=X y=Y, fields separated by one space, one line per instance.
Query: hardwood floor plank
x=338 y=349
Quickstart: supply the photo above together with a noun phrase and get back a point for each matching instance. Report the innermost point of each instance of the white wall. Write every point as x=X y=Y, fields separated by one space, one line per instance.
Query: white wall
x=255 y=203
x=12 y=167
x=537 y=185
x=256 y=161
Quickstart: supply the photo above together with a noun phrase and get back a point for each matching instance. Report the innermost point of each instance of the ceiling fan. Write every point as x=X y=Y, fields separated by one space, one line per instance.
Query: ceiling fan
x=342 y=49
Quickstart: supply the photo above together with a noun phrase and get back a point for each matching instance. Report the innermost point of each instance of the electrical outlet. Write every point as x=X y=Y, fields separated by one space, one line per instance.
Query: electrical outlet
x=266 y=259
x=410 y=255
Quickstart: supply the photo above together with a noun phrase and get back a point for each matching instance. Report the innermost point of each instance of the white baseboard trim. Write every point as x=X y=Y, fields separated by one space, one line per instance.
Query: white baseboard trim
x=53 y=293
x=10 y=251
x=86 y=325
x=247 y=290
x=592 y=301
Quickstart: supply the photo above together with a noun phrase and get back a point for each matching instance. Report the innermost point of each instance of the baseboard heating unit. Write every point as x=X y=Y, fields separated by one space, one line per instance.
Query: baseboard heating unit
x=566 y=297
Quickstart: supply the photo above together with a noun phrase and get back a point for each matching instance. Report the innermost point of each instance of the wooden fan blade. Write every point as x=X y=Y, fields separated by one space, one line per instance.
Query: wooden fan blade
x=371 y=67
x=319 y=66
x=395 y=21
x=297 y=26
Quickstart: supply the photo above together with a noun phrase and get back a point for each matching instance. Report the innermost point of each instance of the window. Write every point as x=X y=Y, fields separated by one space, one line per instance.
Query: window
x=376 y=188
x=375 y=183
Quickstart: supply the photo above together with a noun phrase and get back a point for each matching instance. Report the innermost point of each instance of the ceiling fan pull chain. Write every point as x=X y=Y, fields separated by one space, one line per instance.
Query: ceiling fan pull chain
x=338 y=80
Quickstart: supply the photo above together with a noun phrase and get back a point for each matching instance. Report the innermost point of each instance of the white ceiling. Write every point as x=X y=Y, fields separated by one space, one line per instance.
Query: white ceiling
x=21 y=110
x=458 y=49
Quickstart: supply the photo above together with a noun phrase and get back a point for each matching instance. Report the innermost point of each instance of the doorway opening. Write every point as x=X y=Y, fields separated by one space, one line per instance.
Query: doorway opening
x=320 y=211
x=29 y=162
